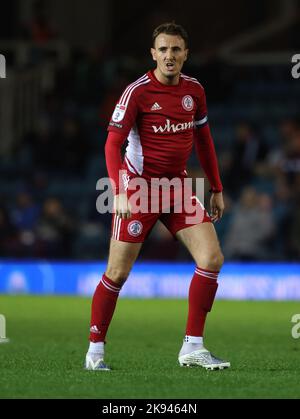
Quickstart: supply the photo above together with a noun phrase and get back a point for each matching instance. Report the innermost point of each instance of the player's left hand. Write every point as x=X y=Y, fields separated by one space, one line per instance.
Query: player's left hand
x=216 y=206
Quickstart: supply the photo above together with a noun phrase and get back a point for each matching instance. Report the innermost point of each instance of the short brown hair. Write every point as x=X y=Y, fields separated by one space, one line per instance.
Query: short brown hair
x=171 y=28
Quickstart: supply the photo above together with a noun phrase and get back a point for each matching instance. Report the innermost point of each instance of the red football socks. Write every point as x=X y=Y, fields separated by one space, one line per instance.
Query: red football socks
x=103 y=307
x=202 y=293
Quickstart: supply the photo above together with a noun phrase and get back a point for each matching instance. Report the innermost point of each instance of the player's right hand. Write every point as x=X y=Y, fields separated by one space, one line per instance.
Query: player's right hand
x=122 y=206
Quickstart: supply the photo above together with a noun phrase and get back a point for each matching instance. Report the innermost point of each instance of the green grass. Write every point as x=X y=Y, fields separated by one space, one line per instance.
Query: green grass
x=48 y=341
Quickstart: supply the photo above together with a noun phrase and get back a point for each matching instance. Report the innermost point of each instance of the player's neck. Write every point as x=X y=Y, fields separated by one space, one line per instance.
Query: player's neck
x=168 y=81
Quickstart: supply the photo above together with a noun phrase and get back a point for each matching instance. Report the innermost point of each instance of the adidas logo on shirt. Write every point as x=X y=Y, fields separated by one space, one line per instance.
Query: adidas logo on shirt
x=156 y=107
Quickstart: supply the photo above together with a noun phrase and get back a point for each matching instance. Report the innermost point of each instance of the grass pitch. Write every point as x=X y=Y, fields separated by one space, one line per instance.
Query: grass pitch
x=48 y=341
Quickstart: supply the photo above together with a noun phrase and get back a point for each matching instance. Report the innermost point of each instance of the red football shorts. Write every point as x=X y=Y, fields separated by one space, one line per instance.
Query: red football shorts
x=177 y=209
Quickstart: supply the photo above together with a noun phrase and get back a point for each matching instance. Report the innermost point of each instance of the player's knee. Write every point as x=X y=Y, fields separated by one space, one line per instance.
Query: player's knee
x=212 y=261
x=216 y=261
x=118 y=275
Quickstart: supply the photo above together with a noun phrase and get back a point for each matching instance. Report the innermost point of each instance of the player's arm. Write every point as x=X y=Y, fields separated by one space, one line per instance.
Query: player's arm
x=121 y=122
x=206 y=153
x=113 y=159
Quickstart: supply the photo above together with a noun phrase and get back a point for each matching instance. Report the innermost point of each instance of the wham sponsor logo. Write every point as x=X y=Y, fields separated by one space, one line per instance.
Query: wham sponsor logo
x=168 y=127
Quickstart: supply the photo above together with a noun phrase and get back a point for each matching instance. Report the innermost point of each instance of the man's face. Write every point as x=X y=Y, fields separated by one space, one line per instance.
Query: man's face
x=170 y=54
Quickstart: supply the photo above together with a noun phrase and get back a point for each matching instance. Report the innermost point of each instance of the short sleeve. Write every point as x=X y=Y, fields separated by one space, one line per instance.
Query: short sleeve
x=124 y=115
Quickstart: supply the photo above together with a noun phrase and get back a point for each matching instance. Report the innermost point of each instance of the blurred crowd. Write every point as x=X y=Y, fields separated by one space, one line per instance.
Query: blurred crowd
x=263 y=196
x=48 y=184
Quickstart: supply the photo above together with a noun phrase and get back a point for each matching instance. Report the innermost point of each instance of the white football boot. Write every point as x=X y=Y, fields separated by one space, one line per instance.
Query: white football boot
x=202 y=358
x=95 y=362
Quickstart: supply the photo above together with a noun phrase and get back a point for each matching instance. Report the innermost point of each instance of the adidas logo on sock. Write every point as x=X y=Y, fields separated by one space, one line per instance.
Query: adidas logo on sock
x=94 y=329
x=156 y=107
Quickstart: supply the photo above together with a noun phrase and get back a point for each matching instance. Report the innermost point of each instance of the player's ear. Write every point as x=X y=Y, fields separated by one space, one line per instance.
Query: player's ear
x=153 y=53
x=186 y=54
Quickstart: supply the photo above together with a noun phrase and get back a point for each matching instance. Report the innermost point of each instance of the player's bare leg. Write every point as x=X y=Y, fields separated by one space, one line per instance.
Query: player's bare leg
x=122 y=256
x=202 y=242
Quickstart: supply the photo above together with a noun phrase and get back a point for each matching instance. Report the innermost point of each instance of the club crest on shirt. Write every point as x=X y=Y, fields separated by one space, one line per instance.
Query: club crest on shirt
x=188 y=103
x=135 y=228
x=119 y=113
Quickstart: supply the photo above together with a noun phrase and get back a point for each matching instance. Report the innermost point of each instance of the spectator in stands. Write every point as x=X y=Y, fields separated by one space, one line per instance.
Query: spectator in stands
x=39 y=29
x=8 y=234
x=89 y=78
x=294 y=222
x=26 y=212
x=248 y=150
x=251 y=229
x=73 y=147
x=282 y=210
x=55 y=230
x=45 y=148
x=285 y=159
x=291 y=161
x=162 y=246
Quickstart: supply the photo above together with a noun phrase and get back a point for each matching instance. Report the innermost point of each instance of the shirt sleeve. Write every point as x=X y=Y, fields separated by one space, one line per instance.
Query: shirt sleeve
x=201 y=117
x=113 y=160
x=204 y=144
x=125 y=113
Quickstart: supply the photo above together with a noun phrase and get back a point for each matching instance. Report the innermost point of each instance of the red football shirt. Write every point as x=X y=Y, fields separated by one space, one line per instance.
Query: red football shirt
x=159 y=122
